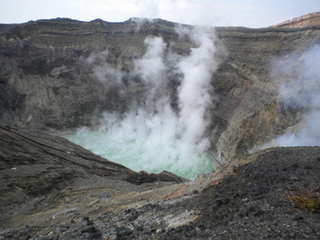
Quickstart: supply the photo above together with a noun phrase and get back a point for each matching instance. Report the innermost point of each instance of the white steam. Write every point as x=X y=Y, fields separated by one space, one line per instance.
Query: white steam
x=153 y=135
x=151 y=67
x=307 y=135
x=102 y=70
x=195 y=92
x=301 y=93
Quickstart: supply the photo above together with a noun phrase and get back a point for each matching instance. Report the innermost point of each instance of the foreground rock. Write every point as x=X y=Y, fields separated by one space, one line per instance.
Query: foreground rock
x=248 y=203
x=38 y=171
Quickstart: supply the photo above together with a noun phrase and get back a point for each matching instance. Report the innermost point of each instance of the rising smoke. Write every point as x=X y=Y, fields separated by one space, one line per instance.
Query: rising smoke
x=102 y=70
x=301 y=93
x=153 y=132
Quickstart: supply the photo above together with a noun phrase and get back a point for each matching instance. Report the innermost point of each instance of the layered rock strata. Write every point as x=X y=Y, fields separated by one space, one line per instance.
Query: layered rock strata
x=48 y=80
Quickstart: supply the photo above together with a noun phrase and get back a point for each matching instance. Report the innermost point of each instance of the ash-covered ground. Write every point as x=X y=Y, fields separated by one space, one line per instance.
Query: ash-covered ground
x=249 y=203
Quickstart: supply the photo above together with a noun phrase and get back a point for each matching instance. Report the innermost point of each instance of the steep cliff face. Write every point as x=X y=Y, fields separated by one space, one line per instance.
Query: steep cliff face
x=253 y=107
x=48 y=76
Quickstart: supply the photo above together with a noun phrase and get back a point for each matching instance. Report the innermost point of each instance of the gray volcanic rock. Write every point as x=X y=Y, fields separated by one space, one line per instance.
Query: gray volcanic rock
x=250 y=111
x=250 y=203
x=48 y=78
x=38 y=169
x=253 y=203
x=47 y=69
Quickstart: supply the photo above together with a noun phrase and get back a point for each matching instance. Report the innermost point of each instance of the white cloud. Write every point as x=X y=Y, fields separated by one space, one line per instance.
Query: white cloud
x=205 y=12
x=182 y=11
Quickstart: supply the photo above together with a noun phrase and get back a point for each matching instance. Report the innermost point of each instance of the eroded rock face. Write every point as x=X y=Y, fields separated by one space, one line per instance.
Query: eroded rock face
x=303 y=21
x=48 y=75
x=257 y=114
x=48 y=78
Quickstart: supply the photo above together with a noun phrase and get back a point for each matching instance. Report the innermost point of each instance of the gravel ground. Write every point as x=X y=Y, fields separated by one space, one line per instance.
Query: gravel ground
x=250 y=204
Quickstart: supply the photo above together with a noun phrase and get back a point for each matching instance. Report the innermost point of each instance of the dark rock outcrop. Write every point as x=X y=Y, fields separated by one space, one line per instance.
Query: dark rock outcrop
x=252 y=202
x=37 y=169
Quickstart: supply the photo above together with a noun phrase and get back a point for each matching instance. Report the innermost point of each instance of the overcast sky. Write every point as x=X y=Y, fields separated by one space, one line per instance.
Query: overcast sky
x=248 y=13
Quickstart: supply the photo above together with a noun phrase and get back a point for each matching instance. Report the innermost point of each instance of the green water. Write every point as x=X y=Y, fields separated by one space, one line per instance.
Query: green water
x=151 y=154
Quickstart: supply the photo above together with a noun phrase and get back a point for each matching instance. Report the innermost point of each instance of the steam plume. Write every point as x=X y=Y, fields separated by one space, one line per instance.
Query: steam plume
x=302 y=93
x=161 y=136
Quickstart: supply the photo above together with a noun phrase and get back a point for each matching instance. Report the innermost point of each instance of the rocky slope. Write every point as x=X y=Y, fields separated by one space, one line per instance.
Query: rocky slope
x=250 y=202
x=38 y=171
x=48 y=78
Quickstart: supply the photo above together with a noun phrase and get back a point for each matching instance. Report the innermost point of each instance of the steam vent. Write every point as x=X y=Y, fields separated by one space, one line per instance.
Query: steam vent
x=150 y=129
